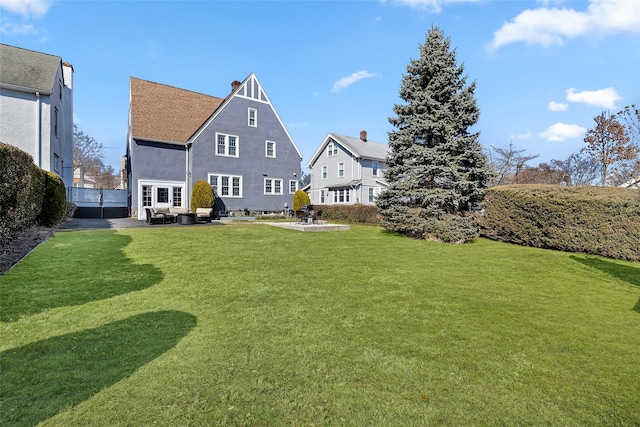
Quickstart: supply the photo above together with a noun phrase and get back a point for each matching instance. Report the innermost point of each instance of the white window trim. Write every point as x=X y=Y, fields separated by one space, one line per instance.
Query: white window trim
x=339 y=170
x=375 y=171
x=266 y=149
x=219 y=176
x=226 y=145
x=273 y=186
x=324 y=175
x=255 y=117
x=292 y=181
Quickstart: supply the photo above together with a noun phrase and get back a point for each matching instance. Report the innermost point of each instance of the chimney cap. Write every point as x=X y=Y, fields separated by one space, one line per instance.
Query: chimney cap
x=363 y=135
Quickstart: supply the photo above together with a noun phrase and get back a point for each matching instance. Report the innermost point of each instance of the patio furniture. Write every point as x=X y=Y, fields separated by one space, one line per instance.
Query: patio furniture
x=187 y=218
x=159 y=216
x=204 y=214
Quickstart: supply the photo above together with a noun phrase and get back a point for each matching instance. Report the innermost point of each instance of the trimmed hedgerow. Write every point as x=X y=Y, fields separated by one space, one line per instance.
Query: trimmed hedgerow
x=595 y=220
x=202 y=195
x=353 y=214
x=21 y=190
x=54 y=205
x=300 y=199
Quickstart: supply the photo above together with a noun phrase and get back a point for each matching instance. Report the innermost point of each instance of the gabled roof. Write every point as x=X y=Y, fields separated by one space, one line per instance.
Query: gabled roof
x=250 y=88
x=356 y=146
x=166 y=113
x=28 y=69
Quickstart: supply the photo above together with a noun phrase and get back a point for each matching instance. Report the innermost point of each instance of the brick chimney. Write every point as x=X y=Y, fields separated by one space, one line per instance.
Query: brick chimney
x=235 y=85
x=363 y=135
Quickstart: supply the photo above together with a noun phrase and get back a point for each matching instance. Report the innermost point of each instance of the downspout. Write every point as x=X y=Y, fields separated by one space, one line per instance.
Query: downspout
x=187 y=202
x=39 y=130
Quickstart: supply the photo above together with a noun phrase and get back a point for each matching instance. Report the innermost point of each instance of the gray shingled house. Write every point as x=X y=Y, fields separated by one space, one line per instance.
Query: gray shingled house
x=36 y=108
x=347 y=170
x=238 y=144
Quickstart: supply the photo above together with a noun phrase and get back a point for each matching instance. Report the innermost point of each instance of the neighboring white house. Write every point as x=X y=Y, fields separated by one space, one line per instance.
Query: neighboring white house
x=36 y=108
x=346 y=170
x=632 y=183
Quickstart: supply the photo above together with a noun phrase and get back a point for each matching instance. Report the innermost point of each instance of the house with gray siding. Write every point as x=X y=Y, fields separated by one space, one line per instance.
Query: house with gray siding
x=238 y=144
x=347 y=170
x=36 y=108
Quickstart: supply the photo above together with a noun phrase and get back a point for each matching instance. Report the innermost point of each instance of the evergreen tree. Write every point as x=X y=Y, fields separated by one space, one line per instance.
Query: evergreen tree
x=437 y=170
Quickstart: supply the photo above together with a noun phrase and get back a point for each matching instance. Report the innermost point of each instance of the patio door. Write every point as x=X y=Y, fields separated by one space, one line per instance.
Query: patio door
x=160 y=195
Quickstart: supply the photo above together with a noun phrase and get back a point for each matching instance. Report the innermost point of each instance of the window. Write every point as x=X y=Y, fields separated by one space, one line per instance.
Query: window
x=55 y=122
x=374 y=167
x=270 y=149
x=162 y=194
x=226 y=185
x=332 y=149
x=293 y=186
x=322 y=196
x=56 y=163
x=371 y=196
x=324 y=172
x=342 y=195
x=146 y=195
x=227 y=145
x=253 y=117
x=177 y=197
x=272 y=186
x=341 y=169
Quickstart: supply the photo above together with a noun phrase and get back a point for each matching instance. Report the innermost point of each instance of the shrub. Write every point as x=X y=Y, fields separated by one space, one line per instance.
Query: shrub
x=354 y=214
x=21 y=190
x=595 y=220
x=300 y=198
x=202 y=195
x=54 y=204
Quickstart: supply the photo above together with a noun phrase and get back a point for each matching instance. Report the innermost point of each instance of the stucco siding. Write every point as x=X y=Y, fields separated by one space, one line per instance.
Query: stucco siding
x=252 y=163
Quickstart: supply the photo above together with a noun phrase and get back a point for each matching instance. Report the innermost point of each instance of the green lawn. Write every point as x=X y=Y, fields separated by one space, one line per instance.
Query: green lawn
x=247 y=324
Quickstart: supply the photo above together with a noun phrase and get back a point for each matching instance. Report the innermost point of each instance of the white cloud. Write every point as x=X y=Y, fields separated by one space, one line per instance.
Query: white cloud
x=349 y=80
x=26 y=8
x=522 y=136
x=561 y=131
x=10 y=29
x=605 y=98
x=557 y=106
x=550 y=26
x=434 y=6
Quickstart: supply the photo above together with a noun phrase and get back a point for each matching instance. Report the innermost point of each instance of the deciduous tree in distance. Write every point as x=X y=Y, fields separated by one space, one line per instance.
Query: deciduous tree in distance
x=437 y=170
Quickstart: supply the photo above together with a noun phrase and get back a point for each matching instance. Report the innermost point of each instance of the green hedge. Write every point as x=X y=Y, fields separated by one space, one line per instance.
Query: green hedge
x=21 y=190
x=202 y=195
x=594 y=220
x=54 y=207
x=353 y=214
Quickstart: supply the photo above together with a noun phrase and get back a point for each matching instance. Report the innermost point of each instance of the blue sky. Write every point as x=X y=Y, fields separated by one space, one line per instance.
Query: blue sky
x=543 y=69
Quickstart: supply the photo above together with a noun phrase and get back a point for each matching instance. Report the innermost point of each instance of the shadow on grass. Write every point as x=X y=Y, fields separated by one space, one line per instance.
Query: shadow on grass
x=625 y=273
x=73 y=269
x=42 y=378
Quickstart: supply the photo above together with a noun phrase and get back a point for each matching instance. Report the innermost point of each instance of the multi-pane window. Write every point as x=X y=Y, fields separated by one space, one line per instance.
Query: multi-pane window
x=371 y=195
x=341 y=169
x=226 y=145
x=322 y=196
x=293 y=186
x=374 y=167
x=332 y=149
x=226 y=185
x=341 y=196
x=270 y=149
x=177 y=197
x=324 y=172
x=272 y=186
x=253 y=117
x=146 y=195
x=55 y=121
x=56 y=163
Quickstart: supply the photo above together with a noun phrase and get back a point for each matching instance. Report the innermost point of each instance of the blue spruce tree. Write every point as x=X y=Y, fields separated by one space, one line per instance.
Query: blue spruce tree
x=437 y=171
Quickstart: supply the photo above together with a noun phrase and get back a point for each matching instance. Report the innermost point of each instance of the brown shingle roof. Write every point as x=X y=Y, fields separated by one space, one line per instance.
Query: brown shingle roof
x=165 y=113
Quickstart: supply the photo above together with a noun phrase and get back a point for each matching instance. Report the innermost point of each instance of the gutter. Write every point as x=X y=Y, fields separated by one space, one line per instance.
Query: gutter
x=39 y=130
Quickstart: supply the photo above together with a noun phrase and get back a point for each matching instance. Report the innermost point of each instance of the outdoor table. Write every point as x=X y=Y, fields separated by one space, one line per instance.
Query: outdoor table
x=187 y=218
